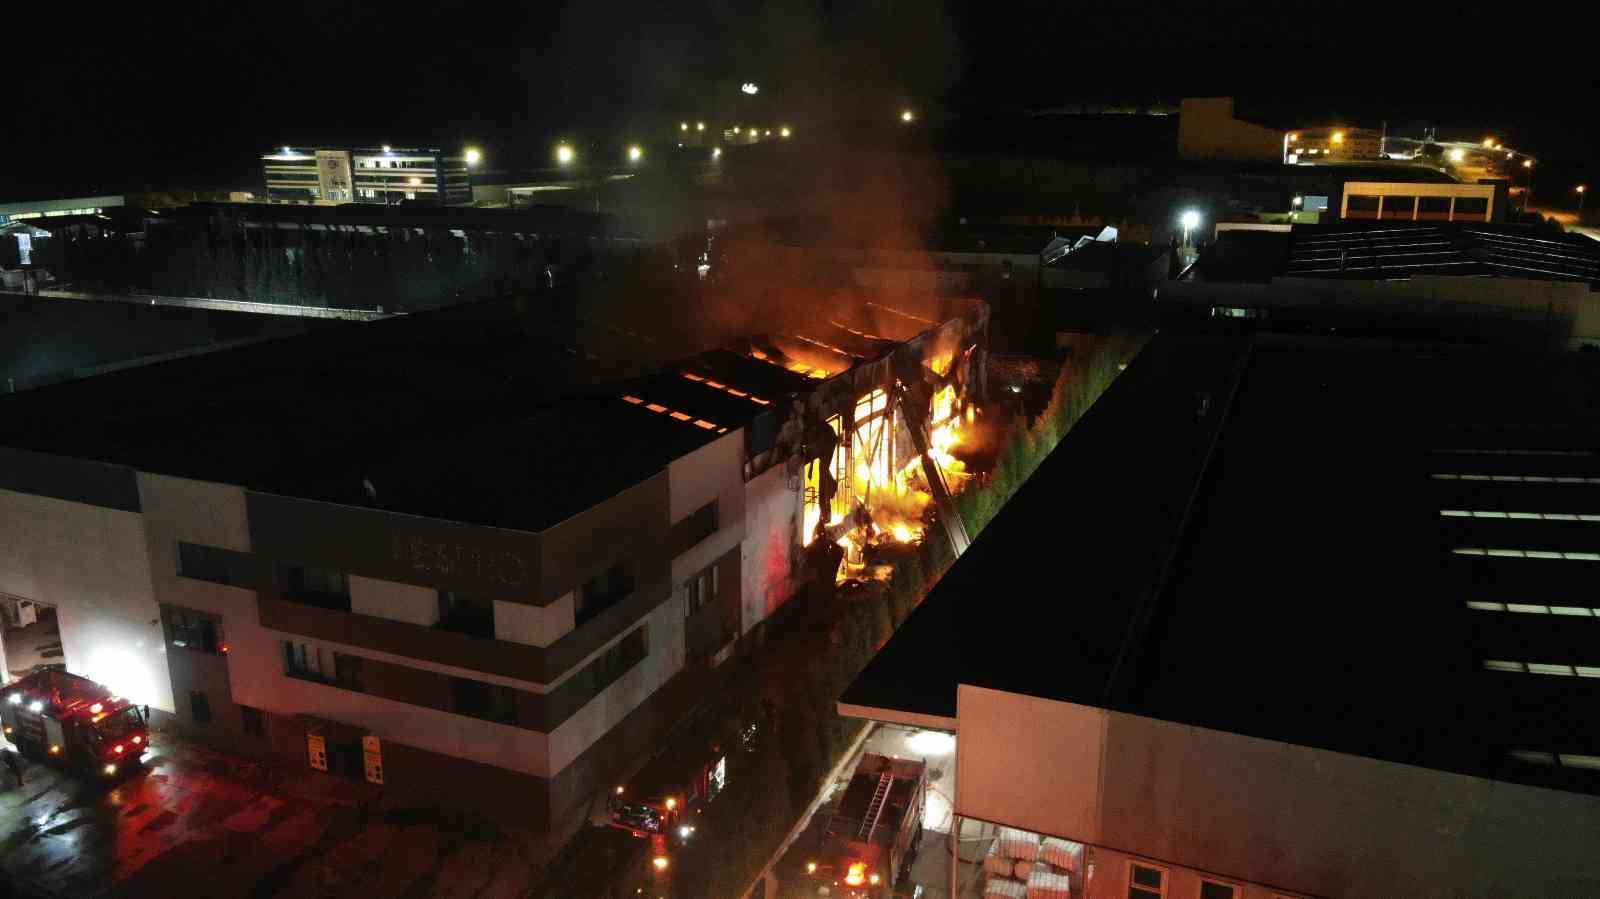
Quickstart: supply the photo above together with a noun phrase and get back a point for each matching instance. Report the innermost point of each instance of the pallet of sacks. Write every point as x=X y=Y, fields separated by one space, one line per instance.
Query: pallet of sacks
x=1004 y=888
x=1017 y=845
x=1046 y=883
x=1062 y=855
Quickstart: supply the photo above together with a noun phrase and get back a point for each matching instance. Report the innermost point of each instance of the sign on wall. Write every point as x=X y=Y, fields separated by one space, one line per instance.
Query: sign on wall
x=317 y=751
x=372 y=754
x=333 y=174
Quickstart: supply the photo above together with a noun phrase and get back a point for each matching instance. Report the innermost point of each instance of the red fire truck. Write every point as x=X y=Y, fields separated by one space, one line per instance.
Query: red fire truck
x=71 y=720
x=874 y=831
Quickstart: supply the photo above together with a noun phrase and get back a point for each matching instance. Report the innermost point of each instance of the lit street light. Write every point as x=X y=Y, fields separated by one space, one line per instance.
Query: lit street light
x=564 y=154
x=474 y=156
x=635 y=153
x=1190 y=221
x=907 y=116
x=716 y=152
x=749 y=87
x=783 y=132
x=699 y=126
x=1338 y=137
x=1489 y=142
x=1581 y=191
x=1458 y=154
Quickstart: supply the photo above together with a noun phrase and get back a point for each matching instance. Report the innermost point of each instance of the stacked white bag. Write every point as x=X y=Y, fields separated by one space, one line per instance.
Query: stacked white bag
x=1043 y=883
x=1063 y=855
x=1004 y=888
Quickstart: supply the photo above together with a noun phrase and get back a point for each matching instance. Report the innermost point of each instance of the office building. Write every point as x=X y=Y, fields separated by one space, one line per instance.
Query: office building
x=443 y=552
x=381 y=175
x=1284 y=617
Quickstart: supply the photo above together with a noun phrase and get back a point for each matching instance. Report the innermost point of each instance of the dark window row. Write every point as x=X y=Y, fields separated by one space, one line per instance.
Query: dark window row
x=321 y=587
x=603 y=591
x=309 y=661
x=208 y=563
x=194 y=631
x=616 y=661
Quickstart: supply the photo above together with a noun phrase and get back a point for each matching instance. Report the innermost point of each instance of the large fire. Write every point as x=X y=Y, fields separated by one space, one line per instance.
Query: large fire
x=891 y=506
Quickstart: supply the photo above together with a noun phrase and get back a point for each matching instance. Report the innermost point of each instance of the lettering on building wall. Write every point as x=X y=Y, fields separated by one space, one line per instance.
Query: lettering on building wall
x=436 y=557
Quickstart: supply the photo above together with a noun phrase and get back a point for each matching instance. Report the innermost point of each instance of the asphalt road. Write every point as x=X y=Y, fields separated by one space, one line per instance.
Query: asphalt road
x=196 y=822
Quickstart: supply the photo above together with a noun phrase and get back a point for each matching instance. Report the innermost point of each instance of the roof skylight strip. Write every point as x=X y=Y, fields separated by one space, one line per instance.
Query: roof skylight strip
x=1525 y=553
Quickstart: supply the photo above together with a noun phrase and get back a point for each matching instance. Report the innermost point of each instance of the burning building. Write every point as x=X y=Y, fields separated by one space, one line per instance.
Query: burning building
x=439 y=553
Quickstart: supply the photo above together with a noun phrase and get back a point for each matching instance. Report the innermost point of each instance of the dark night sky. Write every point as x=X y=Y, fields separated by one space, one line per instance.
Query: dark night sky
x=182 y=92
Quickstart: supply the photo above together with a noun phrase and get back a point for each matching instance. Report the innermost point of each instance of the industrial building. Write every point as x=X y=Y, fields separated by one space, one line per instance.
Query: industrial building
x=448 y=553
x=382 y=175
x=1305 y=617
x=1493 y=284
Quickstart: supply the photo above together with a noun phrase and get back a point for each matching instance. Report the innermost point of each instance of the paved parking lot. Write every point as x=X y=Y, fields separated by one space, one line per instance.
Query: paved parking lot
x=200 y=823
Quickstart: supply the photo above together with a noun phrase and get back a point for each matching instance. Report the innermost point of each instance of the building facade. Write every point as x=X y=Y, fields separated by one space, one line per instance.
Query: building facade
x=1333 y=143
x=382 y=175
x=508 y=622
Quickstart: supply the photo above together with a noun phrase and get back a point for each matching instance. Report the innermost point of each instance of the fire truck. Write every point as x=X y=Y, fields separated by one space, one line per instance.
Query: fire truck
x=64 y=718
x=874 y=831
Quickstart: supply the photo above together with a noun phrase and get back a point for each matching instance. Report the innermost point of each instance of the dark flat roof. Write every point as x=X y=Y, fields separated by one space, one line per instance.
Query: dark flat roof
x=1295 y=561
x=1386 y=250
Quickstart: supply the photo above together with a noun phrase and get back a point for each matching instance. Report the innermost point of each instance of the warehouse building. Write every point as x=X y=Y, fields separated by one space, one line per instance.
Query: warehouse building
x=1334 y=638
x=443 y=553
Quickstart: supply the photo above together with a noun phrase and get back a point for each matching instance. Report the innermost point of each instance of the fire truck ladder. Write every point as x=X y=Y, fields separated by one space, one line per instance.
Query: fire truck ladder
x=869 y=821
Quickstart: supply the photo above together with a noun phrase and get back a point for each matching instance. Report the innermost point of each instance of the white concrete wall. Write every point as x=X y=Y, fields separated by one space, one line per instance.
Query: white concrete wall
x=715 y=471
x=607 y=710
x=214 y=514
x=1264 y=812
x=394 y=601
x=92 y=564
x=534 y=625
x=772 y=515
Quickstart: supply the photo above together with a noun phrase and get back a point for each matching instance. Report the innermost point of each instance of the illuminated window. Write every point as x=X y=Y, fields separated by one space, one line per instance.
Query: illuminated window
x=839 y=465
x=1146 y=881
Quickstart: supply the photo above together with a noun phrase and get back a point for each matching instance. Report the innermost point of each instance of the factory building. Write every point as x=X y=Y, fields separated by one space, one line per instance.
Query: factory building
x=445 y=555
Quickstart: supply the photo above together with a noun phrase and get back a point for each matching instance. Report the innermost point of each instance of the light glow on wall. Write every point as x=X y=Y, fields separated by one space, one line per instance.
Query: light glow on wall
x=122 y=672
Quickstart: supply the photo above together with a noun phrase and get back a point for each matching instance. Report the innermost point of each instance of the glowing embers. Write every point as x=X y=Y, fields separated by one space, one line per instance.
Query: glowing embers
x=732 y=391
x=675 y=414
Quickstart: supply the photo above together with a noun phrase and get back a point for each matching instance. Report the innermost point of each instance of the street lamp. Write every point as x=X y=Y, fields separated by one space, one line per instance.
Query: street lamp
x=1338 y=137
x=783 y=132
x=1489 y=142
x=749 y=87
x=565 y=154
x=716 y=152
x=699 y=126
x=1581 y=191
x=907 y=116
x=1190 y=220
x=635 y=153
x=1458 y=154
x=474 y=156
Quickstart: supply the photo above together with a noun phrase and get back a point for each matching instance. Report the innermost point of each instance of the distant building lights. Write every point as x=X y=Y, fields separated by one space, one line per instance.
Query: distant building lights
x=1489 y=142
x=1293 y=137
x=474 y=156
x=565 y=154
x=635 y=153
x=387 y=149
x=287 y=151
x=683 y=126
x=749 y=87
x=716 y=152
x=907 y=116
x=1338 y=137
x=735 y=129
x=413 y=181
x=1458 y=154
x=699 y=126
x=783 y=132
x=1527 y=163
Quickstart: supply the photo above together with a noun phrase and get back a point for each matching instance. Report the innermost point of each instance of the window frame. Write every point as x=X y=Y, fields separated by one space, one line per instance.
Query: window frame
x=1234 y=890
x=1141 y=891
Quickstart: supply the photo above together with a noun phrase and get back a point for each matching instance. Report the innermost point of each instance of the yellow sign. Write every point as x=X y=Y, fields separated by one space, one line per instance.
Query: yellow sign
x=372 y=750
x=317 y=749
